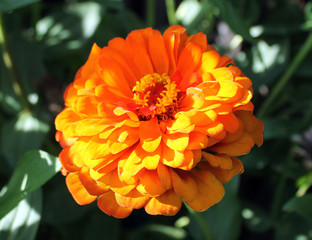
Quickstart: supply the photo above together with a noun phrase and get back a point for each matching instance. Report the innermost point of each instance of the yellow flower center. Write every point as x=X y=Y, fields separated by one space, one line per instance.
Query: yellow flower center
x=156 y=95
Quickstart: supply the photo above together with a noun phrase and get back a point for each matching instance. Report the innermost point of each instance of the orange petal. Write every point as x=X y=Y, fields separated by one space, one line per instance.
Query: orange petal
x=89 y=67
x=108 y=204
x=158 y=53
x=229 y=122
x=64 y=141
x=133 y=199
x=183 y=184
x=219 y=160
x=200 y=39
x=67 y=157
x=77 y=190
x=167 y=204
x=121 y=139
x=164 y=175
x=210 y=190
x=189 y=59
x=138 y=51
x=225 y=175
x=239 y=147
x=197 y=140
x=91 y=186
x=150 y=183
x=112 y=180
x=109 y=72
x=149 y=130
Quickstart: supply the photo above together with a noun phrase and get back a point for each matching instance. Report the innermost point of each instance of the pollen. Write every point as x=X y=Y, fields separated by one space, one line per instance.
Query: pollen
x=156 y=95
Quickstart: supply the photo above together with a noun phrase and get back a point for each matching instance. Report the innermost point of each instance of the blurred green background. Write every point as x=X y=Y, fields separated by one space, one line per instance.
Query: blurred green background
x=43 y=43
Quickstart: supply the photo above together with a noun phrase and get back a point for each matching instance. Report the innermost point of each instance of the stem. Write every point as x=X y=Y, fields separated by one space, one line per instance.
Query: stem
x=170 y=6
x=304 y=50
x=202 y=222
x=150 y=7
x=9 y=63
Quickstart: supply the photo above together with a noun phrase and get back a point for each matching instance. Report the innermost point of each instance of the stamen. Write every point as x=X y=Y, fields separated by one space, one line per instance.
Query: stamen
x=156 y=95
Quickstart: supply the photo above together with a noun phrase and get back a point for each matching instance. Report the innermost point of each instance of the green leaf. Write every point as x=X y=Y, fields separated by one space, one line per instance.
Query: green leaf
x=10 y=5
x=301 y=205
x=65 y=31
x=33 y=170
x=22 y=222
x=224 y=218
x=22 y=134
x=230 y=15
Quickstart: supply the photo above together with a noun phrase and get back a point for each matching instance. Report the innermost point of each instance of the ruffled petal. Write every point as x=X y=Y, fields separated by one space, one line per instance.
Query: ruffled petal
x=210 y=190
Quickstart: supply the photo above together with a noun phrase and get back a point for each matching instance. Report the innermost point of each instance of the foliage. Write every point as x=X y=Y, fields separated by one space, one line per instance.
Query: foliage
x=43 y=43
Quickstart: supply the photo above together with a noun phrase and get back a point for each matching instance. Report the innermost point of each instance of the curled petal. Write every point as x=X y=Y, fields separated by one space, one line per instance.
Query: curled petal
x=77 y=190
x=108 y=204
x=133 y=199
x=167 y=204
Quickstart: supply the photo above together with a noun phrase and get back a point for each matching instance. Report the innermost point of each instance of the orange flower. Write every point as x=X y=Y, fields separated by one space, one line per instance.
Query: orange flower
x=152 y=120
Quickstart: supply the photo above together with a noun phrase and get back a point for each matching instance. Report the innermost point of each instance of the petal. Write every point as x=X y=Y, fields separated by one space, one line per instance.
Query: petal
x=150 y=160
x=194 y=98
x=183 y=184
x=89 y=67
x=189 y=59
x=91 y=186
x=200 y=39
x=130 y=164
x=77 y=190
x=164 y=176
x=210 y=60
x=91 y=126
x=122 y=138
x=176 y=141
x=150 y=183
x=197 y=140
x=172 y=158
x=67 y=158
x=133 y=199
x=158 y=53
x=138 y=51
x=225 y=175
x=166 y=204
x=219 y=160
x=108 y=204
x=112 y=74
x=239 y=147
x=210 y=190
x=230 y=122
x=112 y=180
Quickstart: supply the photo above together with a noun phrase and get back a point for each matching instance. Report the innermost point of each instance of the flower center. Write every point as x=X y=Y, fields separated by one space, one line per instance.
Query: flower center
x=156 y=95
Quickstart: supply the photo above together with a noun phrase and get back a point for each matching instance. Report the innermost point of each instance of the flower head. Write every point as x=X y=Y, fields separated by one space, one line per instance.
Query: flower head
x=152 y=120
